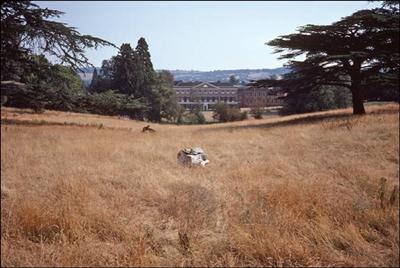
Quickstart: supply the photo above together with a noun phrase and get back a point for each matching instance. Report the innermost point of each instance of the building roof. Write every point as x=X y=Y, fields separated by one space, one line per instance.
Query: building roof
x=186 y=84
x=200 y=84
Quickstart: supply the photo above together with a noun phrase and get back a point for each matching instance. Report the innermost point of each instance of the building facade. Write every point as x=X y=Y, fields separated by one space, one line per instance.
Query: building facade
x=207 y=94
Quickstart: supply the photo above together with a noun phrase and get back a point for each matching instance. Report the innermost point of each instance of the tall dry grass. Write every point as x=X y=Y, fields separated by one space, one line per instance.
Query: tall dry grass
x=311 y=190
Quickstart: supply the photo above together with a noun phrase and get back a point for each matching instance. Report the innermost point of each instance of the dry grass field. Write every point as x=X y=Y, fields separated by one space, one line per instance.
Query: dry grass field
x=311 y=190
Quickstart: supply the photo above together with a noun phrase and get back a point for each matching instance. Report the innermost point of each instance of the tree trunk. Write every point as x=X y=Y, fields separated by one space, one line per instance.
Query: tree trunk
x=358 y=105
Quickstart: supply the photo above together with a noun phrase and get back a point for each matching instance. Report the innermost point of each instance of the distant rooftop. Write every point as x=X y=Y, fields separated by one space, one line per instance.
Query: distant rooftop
x=195 y=83
x=186 y=84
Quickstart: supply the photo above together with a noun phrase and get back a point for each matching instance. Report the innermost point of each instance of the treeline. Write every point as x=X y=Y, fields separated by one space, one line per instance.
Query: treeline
x=325 y=97
x=126 y=85
x=131 y=74
x=57 y=87
x=320 y=98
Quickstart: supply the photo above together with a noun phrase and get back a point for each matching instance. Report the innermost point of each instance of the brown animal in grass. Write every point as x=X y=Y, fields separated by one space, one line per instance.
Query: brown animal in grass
x=148 y=129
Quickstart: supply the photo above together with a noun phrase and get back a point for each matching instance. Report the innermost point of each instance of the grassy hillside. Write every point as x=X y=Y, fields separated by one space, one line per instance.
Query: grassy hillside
x=310 y=190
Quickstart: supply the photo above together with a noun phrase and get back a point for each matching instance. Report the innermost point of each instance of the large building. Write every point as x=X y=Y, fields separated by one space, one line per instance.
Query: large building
x=207 y=94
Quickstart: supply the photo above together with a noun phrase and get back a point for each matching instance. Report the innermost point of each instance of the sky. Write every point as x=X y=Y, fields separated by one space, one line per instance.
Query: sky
x=202 y=36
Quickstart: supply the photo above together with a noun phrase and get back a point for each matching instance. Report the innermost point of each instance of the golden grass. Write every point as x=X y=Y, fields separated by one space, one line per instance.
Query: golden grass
x=85 y=190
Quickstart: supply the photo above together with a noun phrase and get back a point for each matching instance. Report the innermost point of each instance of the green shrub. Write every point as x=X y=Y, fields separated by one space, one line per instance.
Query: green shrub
x=201 y=118
x=257 y=112
x=243 y=115
x=320 y=99
x=112 y=103
x=195 y=118
x=224 y=113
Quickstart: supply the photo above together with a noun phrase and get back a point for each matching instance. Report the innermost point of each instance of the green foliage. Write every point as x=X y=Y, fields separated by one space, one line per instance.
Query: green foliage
x=131 y=72
x=111 y=103
x=220 y=112
x=60 y=88
x=318 y=99
x=365 y=45
x=67 y=80
x=342 y=96
x=123 y=67
x=33 y=96
x=201 y=118
x=243 y=115
x=383 y=87
x=26 y=29
x=195 y=118
x=233 y=80
x=138 y=91
x=172 y=110
x=224 y=113
x=39 y=97
x=47 y=86
x=145 y=76
x=104 y=80
x=257 y=111
x=160 y=97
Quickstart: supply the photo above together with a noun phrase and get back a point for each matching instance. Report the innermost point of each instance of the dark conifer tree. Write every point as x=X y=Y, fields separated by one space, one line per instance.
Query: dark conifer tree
x=346 y=53
x=26 y=30
x=144 y=72
x=124 y=75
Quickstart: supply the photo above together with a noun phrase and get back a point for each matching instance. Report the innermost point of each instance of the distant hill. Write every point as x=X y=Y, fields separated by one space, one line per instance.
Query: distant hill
x=223 y=75
x=219 y=75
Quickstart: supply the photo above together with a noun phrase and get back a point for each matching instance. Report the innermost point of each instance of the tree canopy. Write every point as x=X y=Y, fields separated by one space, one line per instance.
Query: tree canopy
x=123 y=67
x=27 y=30
x=131 y=73
x=28 y=39
x=346 y=53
